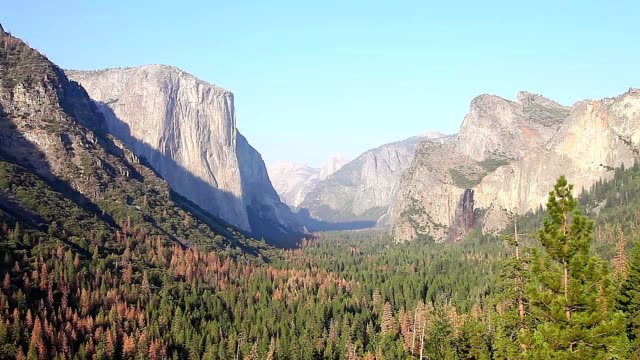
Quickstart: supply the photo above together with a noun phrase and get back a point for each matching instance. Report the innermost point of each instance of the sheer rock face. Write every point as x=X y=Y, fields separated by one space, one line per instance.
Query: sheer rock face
x=465 y=217
x=363 y=188
x=51 y=128
x=427 y=196
x=186 y=129
x=499 y=128
x=596 y=137
x=510 y=154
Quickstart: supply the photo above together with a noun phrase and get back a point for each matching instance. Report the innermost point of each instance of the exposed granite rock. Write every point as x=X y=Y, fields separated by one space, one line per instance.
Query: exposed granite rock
x=186 y=129
x=464 y=218
x=363 y=188
x=427 y=196
x=595 y=138
x=334 y=164
x=499 y=128
x=49 y=127
x=294 y=181
x=510 y=154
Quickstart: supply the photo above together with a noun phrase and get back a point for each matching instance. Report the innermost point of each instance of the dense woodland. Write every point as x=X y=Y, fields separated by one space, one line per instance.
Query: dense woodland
x=350 y=295
x=141 y=273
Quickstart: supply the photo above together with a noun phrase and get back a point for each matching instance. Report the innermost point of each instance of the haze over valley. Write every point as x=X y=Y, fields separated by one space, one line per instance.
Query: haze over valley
x=416 y=181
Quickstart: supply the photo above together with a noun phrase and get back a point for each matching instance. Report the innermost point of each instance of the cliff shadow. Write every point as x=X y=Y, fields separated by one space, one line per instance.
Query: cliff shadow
x=16 y=149
x=313 y=224
x=271 y=232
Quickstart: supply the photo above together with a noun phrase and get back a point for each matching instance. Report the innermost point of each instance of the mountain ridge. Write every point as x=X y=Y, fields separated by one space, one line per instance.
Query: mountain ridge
x=52 y=134
x=361 y=191
x=538 y=140
x=186 y=128
x=294 y=181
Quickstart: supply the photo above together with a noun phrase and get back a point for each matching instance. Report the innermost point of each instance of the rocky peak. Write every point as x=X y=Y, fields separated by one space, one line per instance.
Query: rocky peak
x=360 y=192
x=50 y=127
x=496 y=128
x=433 y=135
x=186 y=129
x=544 y=139
x=332 y=165
x=1 y=30
x=526 y=98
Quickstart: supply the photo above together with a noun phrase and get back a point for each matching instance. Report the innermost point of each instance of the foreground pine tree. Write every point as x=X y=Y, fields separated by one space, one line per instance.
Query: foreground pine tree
x=512 y=303
x=629 y=301
x=569 y=293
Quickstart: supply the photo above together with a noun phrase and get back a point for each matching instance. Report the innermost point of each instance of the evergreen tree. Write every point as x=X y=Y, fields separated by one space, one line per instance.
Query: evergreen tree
x=512 y=323
x=629 y=301
x=569 y=290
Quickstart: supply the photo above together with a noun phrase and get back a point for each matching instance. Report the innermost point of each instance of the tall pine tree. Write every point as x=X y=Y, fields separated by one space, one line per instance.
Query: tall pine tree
x=512 y=303
x=569 y=292
x=629 y=301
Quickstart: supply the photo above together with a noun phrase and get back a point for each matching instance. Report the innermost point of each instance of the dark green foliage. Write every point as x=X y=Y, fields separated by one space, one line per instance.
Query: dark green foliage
x=128 y=270
x=569 y=293
x=610 y=204
x=629 y=301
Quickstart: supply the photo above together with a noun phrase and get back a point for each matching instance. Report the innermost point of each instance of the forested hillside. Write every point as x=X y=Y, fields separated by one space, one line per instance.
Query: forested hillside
x=613 y=205
x=341 y=296
x=99 y=259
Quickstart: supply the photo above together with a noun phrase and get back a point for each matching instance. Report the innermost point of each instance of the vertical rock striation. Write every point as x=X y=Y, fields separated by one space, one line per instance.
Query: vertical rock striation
x=362 y=189
x=186 y=129
x=509 y=153
x=464 y=219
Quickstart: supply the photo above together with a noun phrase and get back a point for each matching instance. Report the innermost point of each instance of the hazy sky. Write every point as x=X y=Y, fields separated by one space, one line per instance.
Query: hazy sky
x=312 y=79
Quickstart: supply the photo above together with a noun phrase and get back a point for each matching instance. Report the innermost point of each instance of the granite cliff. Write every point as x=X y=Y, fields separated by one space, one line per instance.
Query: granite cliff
x=506 y=157
x=362 y=189
x=186 y=129
x=62 y=172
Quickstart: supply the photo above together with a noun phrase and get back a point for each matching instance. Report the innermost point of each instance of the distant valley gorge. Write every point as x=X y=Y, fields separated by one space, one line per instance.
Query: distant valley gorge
x=503 y=161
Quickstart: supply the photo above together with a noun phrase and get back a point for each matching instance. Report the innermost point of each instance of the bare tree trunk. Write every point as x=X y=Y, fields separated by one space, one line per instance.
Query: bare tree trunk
x=567 y=310
x=565 y=269
x=424 y=323
x=413 y=338
x=519 y=278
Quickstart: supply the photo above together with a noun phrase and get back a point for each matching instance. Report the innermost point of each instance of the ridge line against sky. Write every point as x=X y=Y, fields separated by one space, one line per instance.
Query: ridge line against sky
x=316 y=79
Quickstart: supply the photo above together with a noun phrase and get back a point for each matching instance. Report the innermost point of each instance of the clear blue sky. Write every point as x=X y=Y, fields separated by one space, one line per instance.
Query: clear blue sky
x=313 y=79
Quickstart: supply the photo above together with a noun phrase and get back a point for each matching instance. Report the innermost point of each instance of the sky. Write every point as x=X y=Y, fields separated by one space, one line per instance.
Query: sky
x=313 y=79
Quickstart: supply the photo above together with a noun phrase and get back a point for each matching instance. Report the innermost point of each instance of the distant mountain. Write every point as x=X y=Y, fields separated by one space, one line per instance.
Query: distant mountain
x=186 y=129
x=362 y=189
x=334 y=164
x=294 y=181
x=505 y=159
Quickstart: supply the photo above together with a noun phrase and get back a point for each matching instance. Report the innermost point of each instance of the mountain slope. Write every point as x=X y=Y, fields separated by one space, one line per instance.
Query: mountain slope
x=507 y=156
x=50 y=130
x=186 y=129
x=294 y=181
x=362 y=189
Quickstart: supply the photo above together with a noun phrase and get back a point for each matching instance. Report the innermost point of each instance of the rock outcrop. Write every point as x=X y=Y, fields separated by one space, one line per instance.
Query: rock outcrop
x=496 y=128
x=51 y=130
x=510 y=154
x=595 y=138
x=334 y=164
x=362 y=189
x=186 y=129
